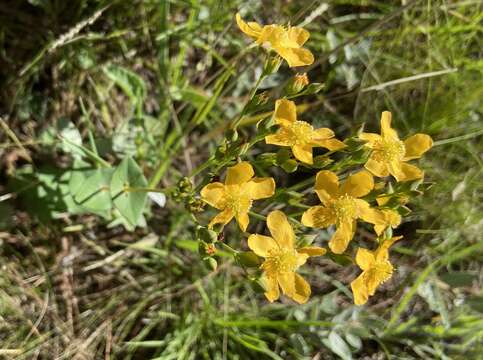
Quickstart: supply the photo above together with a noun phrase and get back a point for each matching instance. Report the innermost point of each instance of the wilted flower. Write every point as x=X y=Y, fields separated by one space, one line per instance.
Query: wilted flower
x=282 y=259
x=389 y=154
x=236 y=195
x=286 y=42
x=299 y=135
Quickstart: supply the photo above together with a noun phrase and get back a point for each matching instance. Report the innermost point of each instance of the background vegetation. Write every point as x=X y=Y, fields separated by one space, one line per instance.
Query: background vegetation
x=160 y=80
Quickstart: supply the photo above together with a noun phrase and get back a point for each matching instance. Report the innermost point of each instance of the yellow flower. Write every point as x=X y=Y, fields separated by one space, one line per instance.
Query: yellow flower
x=299 y=135
x=282 y=259
x=236 y=195
x=376 y=269
x=389 y=154
x=341 y=206
x=286 y=42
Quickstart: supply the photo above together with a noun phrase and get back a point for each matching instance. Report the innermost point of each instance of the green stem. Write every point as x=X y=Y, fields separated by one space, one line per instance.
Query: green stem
x=258 y=216
x=228 y=248
x=146 y=189
x=250 y=98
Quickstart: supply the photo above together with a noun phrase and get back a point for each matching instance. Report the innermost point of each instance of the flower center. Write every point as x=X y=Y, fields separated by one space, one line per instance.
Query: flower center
x=237 y=200
x=280 y=261
x=301 y=132
x=345 y=207
x=379 y=273
x=388 y=150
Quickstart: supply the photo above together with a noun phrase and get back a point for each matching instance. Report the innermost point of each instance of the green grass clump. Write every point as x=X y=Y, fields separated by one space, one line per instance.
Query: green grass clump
x=159 y=81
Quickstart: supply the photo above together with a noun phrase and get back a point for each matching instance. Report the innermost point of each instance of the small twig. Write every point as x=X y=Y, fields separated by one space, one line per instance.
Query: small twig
x=15 y=139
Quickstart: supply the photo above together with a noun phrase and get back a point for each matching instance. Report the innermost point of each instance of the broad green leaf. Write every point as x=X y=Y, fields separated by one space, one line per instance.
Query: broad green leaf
x=127 y=190
x=93 y=193
x=354 y=340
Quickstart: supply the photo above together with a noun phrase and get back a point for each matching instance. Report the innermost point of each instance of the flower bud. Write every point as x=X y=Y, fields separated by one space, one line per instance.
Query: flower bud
x=272 y=65
x=195 y=205
x=185 y=185
x=248 y=259
x=289 y=165
x=267 y=159
x=298 y=83
x=206 y=235
x=210 y=263
x=206 y=249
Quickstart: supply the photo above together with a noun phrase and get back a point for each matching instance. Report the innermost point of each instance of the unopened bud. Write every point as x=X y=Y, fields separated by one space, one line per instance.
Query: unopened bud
x=210 y=263
x=272 y=65
x=195 y=205
x=289 y=165
x=206 y=235
x=248 y=259
x=298 y=83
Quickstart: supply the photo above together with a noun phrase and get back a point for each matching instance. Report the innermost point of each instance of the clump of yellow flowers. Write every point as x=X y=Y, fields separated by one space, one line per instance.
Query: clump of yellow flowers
x=366 y=187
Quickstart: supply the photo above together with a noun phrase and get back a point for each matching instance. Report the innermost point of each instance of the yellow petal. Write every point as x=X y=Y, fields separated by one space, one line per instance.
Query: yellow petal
x=331 y=144
x=382 y=252
x=301 y=259
x=252 y=29
x=281 y=229
x=271 y=285
x=261 y=188
x=303 y=153
x=359 y=289
x=318 y=217
x=404 y=172
x=379 y=229
x=261 y=245
x=282 y=137
x=298 y=35
x=302 y=290
x=370 y=138
x=377 y=168
x=239 y=174
x=358 y=185
x=243 y=220
x=369 y=214
x=295 y=56
x=287 y=283
x=312 y=250
x=223 y=217
x=271 y=34
x=392 y=217
x=326 y=185
x=417 y=145
x=365 y=258
x=376 y=276
x=386 y=130
x=214 y=194
x=323 y=134
x=343 y=235
x=285 y=112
